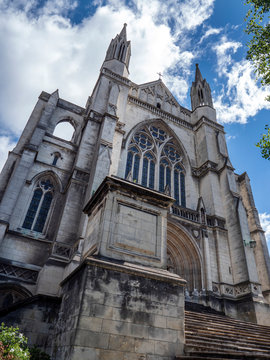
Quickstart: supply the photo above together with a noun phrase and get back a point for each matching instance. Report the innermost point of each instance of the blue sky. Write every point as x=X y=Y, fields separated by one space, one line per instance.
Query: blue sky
x=61 y=44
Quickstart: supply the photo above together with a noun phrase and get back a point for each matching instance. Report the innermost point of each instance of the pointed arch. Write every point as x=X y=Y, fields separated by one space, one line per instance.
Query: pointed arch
x=10 y=293
x=49 y=173
x=184 y=256
x=45 y=186
x=158 y=121
x=156 y=159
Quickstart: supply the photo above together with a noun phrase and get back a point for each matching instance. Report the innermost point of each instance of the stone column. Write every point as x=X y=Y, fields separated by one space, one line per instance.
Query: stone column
x=207 y=261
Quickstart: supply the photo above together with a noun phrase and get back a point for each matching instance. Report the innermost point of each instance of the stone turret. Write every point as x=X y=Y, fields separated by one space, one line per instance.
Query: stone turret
x=200 y=92
x=118 y=54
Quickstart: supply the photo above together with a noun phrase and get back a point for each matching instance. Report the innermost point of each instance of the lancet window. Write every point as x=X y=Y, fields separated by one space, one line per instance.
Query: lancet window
x=155 y=161
x=39 y=207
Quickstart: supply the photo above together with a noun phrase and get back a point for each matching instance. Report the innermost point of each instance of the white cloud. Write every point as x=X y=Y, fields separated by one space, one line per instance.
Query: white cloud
x=224 y=50
x=42 y=50
x=211 y=31
x=241 y=96
x=6 y=145
x=265 y=222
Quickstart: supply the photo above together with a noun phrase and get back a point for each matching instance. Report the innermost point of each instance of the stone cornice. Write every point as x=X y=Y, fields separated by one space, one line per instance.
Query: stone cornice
x=131 y=269
x=161 y=113
x=205 y=120
x=113 y=183
x=117 y=77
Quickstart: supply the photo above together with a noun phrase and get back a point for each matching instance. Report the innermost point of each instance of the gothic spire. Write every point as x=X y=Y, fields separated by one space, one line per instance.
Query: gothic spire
x=123 y=33
x=118 y=53
x=200 y=92
x=198 y=75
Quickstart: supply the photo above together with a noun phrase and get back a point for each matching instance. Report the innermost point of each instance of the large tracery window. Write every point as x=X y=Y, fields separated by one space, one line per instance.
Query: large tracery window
x=39 y=206
x=155 y=161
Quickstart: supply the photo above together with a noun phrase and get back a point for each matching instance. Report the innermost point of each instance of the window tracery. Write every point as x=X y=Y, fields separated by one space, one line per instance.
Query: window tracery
x=39 y=207
x=155 y=161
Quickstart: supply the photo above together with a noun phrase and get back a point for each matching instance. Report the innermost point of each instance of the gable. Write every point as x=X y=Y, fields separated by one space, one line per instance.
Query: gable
x=156 y=94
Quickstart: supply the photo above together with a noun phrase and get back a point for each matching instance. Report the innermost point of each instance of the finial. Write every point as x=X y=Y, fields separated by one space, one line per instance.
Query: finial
x=198 y=75
x=123 y=32
x=160 y=75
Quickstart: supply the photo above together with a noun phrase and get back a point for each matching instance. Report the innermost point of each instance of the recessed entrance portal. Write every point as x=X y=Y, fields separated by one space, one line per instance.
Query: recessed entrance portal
x=184 y=257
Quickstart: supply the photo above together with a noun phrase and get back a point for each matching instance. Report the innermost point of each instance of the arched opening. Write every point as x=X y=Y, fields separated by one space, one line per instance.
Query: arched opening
x=40 y=205
x=155 y=160
x=64 y=130
x=183 y=257
x=11 y=294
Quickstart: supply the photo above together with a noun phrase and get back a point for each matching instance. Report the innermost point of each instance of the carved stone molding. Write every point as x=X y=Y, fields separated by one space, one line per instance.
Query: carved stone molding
x=204 y=169
x=18 y=272
x=62 y=250
x=237 y=290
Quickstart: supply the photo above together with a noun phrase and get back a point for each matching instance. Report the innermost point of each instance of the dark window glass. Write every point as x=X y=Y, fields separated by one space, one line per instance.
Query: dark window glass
x=153 y=152
x=176 y=186
x=129 y=163
x=56 y=157
x=31 y=213
x=183 y=195
x=161 y=177
x=43 y=212
x=145 y=171
x=39 y=207
x=136 y=168
x=152 y=175
x=168 y=176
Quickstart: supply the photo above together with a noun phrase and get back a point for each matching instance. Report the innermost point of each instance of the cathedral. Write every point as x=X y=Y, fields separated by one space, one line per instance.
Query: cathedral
x=107 y=237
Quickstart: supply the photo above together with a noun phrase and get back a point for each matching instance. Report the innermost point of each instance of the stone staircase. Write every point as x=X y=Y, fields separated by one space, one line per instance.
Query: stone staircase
x=211 y=336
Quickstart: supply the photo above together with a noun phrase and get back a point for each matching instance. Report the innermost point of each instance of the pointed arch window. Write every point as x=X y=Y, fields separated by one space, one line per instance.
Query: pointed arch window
x=39 y=207
x=155 y=161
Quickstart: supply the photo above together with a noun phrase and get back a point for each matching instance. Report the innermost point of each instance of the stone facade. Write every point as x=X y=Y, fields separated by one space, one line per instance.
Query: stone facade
x=142 y=181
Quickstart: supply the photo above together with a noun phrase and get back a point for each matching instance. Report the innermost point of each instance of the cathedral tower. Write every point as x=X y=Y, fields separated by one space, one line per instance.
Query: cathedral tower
x=118 y=54
x=113 y=230
x=200 y=91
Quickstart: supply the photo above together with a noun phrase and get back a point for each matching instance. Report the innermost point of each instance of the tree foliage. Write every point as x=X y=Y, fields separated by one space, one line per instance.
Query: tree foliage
x=264 y=144
x=258 y=26
x=13 y=344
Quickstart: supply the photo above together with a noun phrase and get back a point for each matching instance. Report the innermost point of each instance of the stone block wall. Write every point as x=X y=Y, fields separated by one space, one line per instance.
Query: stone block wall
x=35 y=318
x=114 y=311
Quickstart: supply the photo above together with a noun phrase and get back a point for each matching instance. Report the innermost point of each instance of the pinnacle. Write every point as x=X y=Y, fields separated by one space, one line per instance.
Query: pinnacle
x=123 y=33
x=198 y=75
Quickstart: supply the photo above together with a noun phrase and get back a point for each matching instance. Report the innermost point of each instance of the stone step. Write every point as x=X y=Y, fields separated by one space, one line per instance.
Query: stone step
x=234 y=335
x=215 y=336
x=262 y=343
x=226 y=326
x=222 y=320
x=197 y=355
x=221 y=329
x=223 y=347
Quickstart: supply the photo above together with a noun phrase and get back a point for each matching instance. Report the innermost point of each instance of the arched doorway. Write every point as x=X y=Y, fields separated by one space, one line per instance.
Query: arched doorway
x=184 y=257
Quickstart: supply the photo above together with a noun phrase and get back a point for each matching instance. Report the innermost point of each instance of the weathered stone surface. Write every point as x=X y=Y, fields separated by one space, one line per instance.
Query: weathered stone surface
x=111 y=322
